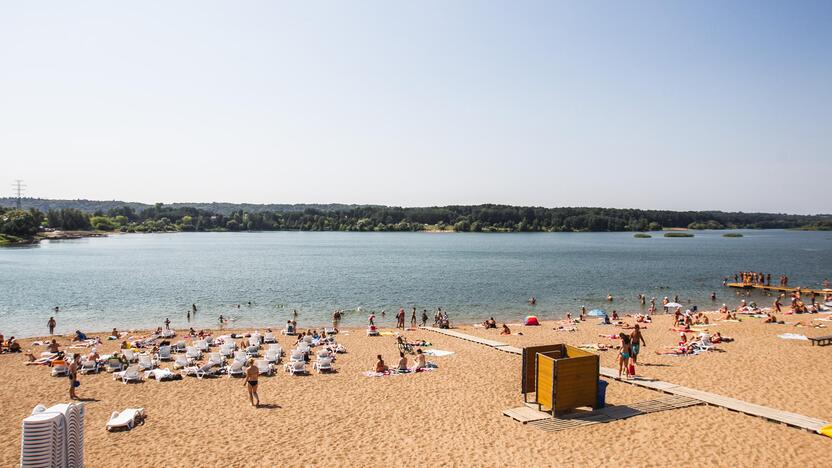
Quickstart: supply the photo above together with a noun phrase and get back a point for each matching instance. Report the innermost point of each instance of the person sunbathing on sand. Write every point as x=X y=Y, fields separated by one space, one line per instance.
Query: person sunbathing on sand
x=770 y=318
x=402 y=366
x=380 y=365
x=420 y=361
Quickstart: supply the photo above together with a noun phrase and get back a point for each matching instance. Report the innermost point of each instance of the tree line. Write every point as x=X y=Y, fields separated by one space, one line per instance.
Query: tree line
x=479 y=218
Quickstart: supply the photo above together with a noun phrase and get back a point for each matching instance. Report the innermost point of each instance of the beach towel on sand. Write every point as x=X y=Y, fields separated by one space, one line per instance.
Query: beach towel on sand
x=437 y=352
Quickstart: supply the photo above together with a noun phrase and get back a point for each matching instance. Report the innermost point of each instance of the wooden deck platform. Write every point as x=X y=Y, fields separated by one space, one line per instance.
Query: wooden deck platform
x=783 y=417
x=777 y=288
x=546 y=422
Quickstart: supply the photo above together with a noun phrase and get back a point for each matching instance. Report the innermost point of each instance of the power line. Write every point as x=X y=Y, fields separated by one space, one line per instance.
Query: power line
x=19 y=187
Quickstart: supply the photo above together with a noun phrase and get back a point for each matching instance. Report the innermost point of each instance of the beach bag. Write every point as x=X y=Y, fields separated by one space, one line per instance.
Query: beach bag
x=632 y=369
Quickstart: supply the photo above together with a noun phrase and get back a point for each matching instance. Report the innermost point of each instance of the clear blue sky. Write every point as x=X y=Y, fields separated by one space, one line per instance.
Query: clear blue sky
x=670 y=105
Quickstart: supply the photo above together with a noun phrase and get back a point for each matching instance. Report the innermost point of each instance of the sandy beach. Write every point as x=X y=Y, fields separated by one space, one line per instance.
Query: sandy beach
x=450 y=416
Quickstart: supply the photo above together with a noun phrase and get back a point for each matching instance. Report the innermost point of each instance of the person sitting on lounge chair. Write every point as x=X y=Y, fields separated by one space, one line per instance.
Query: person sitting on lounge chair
x=53 y=347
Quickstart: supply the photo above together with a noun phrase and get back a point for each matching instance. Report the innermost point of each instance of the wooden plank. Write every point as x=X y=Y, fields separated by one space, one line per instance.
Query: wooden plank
x=509 y=349
x=525 y=414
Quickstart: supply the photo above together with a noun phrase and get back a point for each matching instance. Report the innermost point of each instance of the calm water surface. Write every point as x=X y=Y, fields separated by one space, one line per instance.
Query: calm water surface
x=138 y=280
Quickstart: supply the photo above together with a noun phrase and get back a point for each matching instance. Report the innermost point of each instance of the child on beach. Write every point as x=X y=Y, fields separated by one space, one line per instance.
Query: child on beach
x=624 y=355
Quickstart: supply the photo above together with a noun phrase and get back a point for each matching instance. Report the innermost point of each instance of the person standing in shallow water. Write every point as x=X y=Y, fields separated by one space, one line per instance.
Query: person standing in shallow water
x=51 y=324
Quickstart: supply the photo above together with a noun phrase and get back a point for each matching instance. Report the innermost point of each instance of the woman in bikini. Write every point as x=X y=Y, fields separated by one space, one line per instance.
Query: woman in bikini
x=252 y=374
x=623 y=353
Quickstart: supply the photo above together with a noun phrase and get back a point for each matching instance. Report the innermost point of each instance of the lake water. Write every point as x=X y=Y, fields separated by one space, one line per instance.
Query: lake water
x=138 y=280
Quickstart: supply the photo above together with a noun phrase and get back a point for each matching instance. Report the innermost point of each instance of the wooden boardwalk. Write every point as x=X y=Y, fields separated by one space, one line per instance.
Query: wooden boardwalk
x=610 y=413
x=783 y=417
x=777 y=288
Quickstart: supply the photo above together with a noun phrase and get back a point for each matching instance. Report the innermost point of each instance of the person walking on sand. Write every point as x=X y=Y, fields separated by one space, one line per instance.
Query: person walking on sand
x=424 y=317
x=624 y=355
x=72 y=373
x=413 y=319
x=51 y=324
x=637 y=340
x=252 y=374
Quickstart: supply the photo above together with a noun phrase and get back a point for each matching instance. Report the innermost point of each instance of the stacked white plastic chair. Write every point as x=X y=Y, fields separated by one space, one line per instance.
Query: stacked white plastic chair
x=53 y=437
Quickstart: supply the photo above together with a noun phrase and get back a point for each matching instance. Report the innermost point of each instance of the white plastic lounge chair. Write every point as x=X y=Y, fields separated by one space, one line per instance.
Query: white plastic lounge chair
x=289 y=331
x=201 y=345
x=295 y=368
x=164 y=354
x=272 y=356
x=323 y=365
x=253 y=351
x=216 y=359
x=240 y=356
x=329 y=331
x=269 y=338
x=255 y=339
x=307 y=339
x=88 y=367
x=179 y=347
x=264 y=367
x=297 y=356
x=236 y=369
x=227 y=350
x=193 y=353
x=372 y=332
x=60 y=370
x=303 y=347
x=145 y=362
x=114 y=365
x=323 y=353
x=206 y=370
x=132 y=374
x=181 y=362
x=275 y=347
x=129 y=355
x=127 y=419
x=168 y=333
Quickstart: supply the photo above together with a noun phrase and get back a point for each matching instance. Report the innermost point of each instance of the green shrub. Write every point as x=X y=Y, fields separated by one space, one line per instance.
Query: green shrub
x=641 y=235
x=678 y=234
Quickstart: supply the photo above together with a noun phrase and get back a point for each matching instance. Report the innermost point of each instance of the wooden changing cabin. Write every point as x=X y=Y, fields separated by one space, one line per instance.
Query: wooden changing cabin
x=561 y=377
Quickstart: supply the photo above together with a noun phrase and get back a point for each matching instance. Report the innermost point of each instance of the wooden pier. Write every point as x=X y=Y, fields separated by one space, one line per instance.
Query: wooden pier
x=785 y=289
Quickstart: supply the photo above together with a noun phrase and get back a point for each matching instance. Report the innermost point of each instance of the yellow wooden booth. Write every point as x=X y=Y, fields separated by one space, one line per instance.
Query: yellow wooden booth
x=561 y=377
